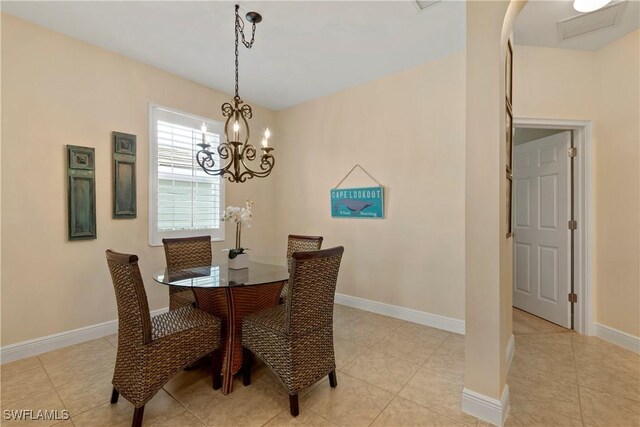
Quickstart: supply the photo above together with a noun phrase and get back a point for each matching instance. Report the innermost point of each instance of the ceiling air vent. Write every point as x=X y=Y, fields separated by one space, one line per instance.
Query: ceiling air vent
x=423 y=4
x=585 y=23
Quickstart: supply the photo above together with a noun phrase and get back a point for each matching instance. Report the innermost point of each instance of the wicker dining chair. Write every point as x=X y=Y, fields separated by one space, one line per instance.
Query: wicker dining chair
x=297 y=243
x=295 y=339
x=187 y=252
x=151 y=350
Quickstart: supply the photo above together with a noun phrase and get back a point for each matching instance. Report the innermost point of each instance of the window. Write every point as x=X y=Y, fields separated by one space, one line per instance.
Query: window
x=183 y=200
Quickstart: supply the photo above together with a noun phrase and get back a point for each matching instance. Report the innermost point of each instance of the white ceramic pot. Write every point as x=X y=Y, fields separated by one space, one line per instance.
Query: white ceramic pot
x=239 y=262
x=238 y=277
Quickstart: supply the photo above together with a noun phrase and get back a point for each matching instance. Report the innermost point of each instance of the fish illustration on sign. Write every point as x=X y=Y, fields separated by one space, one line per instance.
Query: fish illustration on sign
x=355 y=206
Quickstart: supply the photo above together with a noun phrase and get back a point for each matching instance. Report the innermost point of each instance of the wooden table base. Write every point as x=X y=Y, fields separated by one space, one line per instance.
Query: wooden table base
x=230 y=305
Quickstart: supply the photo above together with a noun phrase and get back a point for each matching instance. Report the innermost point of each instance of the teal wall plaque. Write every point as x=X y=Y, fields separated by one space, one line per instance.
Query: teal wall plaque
x=81 y=192
x=367 y=202
x=124 y=175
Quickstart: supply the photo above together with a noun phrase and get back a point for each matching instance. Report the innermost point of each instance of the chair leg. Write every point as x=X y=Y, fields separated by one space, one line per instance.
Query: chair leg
x=333 y=381
x=247 y=361
x=216 y=369
x=114 y=395
x=294 y=408
x=138 y=413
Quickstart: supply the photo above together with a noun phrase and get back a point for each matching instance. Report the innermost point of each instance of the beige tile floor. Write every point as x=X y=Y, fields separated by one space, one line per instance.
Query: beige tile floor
x=390 y=373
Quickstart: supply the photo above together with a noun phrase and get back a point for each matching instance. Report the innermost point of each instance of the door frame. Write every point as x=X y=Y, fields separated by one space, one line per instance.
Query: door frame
x=584 y=214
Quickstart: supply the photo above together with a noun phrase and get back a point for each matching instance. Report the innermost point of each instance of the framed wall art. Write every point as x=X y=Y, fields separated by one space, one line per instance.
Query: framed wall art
x=509 y=188
x=81 y=193
x=508 y=119
x=508 y=71
x=508 y=80
x=124 y=175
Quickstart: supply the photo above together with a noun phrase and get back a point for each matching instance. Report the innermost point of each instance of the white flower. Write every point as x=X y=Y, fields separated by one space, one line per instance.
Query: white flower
x=241 y=216
x=245 y=218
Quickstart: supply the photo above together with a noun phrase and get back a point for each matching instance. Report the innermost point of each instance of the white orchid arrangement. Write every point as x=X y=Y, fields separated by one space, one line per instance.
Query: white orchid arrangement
x=242 y=218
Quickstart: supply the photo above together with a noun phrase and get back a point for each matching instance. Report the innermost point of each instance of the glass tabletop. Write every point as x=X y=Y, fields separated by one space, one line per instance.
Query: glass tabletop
x=219 y=275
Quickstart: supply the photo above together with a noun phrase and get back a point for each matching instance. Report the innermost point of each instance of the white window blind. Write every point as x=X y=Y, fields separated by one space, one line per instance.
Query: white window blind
x=184 y=200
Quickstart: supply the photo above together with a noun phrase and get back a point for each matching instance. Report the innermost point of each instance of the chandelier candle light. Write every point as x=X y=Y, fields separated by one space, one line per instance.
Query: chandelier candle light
x=238 y=258
x=236 y=150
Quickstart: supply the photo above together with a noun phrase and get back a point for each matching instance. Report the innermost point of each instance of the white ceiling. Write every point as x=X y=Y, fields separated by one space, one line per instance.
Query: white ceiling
x=303 y=49
x=536 y=25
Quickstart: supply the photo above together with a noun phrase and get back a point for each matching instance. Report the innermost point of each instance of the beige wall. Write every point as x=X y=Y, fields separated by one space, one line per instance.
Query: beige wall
x=58 y=91
x=407 y=130
x=617 y=158
x=554 y=83
x=601 y=86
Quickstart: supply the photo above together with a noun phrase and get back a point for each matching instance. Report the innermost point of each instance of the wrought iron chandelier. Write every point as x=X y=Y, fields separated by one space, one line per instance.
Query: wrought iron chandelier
x=236 y=150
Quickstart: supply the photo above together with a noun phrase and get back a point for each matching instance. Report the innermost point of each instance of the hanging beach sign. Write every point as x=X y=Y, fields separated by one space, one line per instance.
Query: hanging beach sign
x=363 y=202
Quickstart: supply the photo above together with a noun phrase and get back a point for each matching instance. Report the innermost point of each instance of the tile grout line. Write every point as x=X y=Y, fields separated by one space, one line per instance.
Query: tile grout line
x=274 y=417
x=370 y=348
x=598 y=389
x=408 y=361
x=409 y=380
x=383 y=409
x=56 y=391
x=385 y=336
x=609 y=392
x=542 y=333
x=367 y=347
x=421 y=366
x=575 y=367
x=69 y=382
x=435 y=351
x=184 y=406
x=54 y=388
x=99 y=405
x=372 y=385
x=416 y=373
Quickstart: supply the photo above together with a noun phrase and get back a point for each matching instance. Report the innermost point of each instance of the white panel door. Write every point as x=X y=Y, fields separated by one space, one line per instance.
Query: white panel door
x=541 y=242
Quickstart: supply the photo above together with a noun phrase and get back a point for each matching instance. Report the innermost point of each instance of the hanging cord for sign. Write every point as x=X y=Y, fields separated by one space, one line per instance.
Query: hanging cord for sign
x=363 y=170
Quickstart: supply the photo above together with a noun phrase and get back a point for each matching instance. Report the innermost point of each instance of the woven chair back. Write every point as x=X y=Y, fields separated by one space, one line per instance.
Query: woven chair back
x=311 y=290
x=134 y=319
x=296 y=243
x=187 y=252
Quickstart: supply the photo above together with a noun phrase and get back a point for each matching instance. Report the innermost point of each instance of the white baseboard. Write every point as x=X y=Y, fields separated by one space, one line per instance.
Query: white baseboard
x=434 y=320
x=615 y=336
x=511 y=348
x=486 y=408
x=33 y=347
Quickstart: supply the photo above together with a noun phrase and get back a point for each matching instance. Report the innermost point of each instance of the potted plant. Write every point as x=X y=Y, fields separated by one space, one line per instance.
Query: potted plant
x=238 y=257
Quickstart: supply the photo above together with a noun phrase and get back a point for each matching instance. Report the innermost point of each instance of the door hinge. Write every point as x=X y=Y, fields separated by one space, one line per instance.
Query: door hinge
x=573 y=151
x=573 y=224
x=573 y=297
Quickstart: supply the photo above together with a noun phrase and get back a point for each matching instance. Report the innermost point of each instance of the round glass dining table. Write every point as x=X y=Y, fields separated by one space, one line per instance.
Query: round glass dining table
x=229 y=295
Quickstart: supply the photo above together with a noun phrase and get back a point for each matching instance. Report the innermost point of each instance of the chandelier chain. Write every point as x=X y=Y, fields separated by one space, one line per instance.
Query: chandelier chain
x=248 y=45
x=237 y=25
